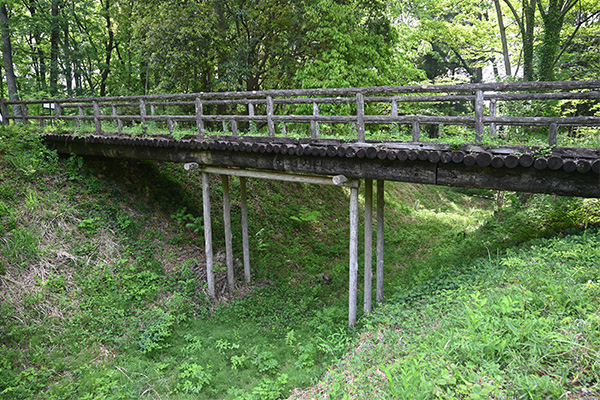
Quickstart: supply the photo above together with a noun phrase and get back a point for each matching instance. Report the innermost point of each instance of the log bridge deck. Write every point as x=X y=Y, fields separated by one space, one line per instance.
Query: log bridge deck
x=342 y=162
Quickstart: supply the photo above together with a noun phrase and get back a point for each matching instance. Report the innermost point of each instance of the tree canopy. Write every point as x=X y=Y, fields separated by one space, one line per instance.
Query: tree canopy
x=115 y=47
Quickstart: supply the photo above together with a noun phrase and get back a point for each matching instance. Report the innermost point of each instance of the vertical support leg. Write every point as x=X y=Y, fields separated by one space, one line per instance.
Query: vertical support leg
x=210 y=279
x=353 y=256
x=368 y=244
x=245 y=242
x=227 y=223
x=380 y=206
x=478 y=116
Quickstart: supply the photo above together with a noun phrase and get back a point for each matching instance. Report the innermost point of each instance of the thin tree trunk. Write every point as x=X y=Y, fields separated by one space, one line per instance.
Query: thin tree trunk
x=11 y=80
x=528 y=39
x=108 y=49
x=502 y=29
x=54 y=38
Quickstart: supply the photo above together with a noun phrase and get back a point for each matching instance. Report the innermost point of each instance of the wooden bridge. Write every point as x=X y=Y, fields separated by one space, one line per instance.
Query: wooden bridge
x=343 y=136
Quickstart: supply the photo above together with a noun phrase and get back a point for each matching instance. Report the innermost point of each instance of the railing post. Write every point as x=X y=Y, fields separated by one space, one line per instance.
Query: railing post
x=117 y=119
x=360 y=117
x=170 y=125
x=97 y=122
x=395 y=115
x=250 y=114
x=314 y=125
x=416 y=129
x=78 y=120
x=493 y=113
x=228 y=234
x=208 y=249
x=368 y=277
x=245 y=241
x=270 y=124
x=4 y=112
x=199 y=112
x=478 y=116
x=552 y=140
x=353 y=267
x=379 y=250
x=143 y=116
x=57 y=111
x=234 y=128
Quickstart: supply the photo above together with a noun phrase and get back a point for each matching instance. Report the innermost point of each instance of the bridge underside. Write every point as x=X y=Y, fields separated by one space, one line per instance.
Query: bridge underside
x=561 y=171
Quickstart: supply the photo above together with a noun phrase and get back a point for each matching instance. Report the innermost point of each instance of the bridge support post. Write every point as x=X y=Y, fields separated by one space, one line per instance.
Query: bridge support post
x=227 y=223
x=368 y=245
x=380 y=206
x=353 y=256
x=245 y=241
x=208 y=249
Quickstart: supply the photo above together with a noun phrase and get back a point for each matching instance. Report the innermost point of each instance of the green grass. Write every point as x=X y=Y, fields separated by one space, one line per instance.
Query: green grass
x=520 y=324
x=100 y=296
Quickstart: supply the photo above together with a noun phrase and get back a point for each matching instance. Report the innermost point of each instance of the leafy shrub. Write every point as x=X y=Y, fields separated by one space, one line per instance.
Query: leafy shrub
x=193 y=378
x=159 y=329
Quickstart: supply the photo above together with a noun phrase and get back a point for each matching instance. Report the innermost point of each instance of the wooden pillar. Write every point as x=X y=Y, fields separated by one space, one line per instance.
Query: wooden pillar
x=270 y=123
x=78 y=120
x=199 y=121
x=395 y=129
x=251 y=123
x=57 y=111
x=227 y=223
x=368 y=244
x=245 y=241
x=552 y=132
x=493 y=113
x=380 y=206
x=479 y=116
x=117 y=119
x=208 y=250
x=353 y=256
x=97 y=122
x=416 y=129
x=360 y=117
x=314 y=125
x=143 y=116
x=234 y=128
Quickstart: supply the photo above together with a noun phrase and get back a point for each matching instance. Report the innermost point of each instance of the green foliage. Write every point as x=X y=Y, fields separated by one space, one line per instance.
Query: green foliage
x=523 y=324
x=193 y=378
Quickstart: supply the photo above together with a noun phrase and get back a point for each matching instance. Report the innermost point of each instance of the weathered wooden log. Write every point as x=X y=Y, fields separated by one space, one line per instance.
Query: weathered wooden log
x=483 y=159
x=350 y=152
x=382 y=154
x=412 y=155
x=331 y=150
x=402 y=155
x=434 y=156
x=445 y=157
x=540 y=163
x=361 y=152
x=583 y=166
x=497 y=162
x=458 y=157
x=323 y=151
x=568 y=165
x=555 y=163
x=526 y=160
x=371 y=152
x=422 y=155
x=470 y=160
x=392 y=155
x=511 y=161
x=596 y=166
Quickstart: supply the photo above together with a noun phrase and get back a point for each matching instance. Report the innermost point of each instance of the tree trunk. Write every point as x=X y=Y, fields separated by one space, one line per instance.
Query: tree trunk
x=54 y=38
x=528 y=39
x=502 y=29
x=108 y=49
x=11 y=80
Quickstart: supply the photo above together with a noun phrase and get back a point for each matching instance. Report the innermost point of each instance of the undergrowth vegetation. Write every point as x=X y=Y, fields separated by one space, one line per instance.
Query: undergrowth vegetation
x=101 y=295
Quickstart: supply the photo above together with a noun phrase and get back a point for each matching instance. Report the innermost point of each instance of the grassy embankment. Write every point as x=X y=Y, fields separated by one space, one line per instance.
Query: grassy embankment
x=102 y=296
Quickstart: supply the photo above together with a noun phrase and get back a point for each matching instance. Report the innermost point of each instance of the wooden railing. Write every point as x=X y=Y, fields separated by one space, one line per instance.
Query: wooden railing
x=272 y=107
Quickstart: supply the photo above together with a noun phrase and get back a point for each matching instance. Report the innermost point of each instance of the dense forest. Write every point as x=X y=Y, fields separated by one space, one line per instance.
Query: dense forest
x=65 y=48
